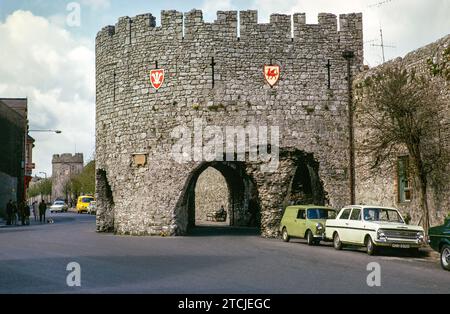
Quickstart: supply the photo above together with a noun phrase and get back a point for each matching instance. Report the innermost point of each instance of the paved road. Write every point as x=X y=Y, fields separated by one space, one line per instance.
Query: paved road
x=34 y=259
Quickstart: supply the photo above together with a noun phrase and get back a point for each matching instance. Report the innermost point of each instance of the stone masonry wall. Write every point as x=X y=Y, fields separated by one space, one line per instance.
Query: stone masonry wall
x=380 y=187
x=133 y=118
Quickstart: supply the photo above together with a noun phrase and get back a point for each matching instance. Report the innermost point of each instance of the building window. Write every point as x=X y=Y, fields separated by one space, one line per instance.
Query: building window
x=403 y=183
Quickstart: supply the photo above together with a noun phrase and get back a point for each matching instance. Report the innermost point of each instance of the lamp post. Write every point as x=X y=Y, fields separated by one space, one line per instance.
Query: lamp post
x=48 y=131
x=348 y=56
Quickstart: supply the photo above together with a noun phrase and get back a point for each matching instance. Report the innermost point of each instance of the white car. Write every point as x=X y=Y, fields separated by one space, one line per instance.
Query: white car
x=373 y=227
x=92 y=208
x=59 y=207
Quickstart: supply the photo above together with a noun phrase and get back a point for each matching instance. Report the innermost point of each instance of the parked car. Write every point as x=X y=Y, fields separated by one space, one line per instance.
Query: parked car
x=59 y=206
x=83 y=203
x=305 y=221
x=440 y=241
x=92 y=208
x=373 y=227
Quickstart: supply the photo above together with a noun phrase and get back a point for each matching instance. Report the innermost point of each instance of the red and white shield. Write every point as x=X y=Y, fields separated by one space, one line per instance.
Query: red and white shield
x=272 y=74
x=157 y=78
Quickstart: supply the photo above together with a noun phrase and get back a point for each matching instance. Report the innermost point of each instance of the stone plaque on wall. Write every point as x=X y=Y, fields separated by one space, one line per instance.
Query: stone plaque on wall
x=139 y=160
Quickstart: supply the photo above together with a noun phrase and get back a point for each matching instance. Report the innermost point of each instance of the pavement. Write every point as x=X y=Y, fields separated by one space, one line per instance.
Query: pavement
x=32 y=220
x=34 y=259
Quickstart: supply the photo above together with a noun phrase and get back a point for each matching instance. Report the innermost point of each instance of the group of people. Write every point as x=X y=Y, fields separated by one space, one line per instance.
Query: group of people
x=20 y=212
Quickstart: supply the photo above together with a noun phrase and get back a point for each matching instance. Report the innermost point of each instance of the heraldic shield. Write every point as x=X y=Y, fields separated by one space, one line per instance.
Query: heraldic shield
x=272 y=74
x=157 y=78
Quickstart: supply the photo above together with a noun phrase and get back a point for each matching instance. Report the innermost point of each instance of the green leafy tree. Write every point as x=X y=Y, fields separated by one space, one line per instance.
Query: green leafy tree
x=403 y=110
x=87 y=178
x=43 y=187
x=83 y=183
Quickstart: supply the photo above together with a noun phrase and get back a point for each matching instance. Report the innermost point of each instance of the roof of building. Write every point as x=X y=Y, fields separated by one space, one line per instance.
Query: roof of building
x=12 y=115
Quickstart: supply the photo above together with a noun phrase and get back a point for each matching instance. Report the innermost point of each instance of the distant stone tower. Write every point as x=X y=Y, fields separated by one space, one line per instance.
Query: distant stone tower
x=64 y=167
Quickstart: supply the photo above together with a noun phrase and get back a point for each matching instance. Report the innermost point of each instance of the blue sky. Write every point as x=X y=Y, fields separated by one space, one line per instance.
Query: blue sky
x=52 y=63
x=94 y=14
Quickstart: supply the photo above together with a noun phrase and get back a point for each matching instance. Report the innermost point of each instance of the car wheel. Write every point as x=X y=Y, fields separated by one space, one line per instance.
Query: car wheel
x=285 y=235
x=370 y=246
x=445 y=257
x=310 y=238
x=337 y=242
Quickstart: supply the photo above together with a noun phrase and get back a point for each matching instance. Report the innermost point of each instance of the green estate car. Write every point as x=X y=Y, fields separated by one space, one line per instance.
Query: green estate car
x=440 y=241
x=305 y=221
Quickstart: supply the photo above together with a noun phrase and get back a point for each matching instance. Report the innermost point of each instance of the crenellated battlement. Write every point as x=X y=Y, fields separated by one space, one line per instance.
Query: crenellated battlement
x=215 y=72
x=191 y=25
x=68 y=158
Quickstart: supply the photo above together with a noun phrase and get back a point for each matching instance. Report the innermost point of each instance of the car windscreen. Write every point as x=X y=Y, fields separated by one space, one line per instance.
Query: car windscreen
x=321 y=213
x=58 y=203
x=382 y=214
x=87 y=200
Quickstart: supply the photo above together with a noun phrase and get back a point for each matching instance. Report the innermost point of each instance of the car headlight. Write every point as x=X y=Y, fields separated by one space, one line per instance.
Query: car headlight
x=420 y=235
x=381 y=235
x=319 y=227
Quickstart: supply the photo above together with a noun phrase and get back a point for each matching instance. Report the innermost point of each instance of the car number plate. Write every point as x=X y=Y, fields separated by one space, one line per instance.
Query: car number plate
x=401 y=246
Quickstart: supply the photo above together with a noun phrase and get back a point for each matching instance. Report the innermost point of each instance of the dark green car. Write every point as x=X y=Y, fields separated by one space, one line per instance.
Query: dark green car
x=440 y=241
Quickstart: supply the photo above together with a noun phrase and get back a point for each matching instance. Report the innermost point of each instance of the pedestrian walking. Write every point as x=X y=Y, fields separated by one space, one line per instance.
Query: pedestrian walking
x=9 y=212
x=42 y=210
x=26 y=213
x=35 y=209
x=14 y=215
x=21 y=212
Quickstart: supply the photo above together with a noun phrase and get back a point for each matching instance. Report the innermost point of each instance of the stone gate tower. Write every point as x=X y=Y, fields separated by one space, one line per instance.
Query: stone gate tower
x=64 y=167
x=214 y=76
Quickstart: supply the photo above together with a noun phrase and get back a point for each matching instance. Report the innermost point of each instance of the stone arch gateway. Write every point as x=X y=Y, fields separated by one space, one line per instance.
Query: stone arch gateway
x=143 y=189
x=242 y=195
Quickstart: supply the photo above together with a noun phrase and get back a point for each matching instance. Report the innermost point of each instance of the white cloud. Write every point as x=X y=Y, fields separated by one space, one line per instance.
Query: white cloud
x=58 y=19
x=406 y=24
x=42 y=61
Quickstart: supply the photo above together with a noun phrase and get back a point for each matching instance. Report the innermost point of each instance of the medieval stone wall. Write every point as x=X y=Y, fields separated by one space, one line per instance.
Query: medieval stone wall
x=380 y=186
x=132 y=118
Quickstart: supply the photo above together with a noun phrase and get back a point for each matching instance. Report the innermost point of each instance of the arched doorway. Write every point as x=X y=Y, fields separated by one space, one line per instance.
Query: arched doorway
x=306 y=186
x=211 y=199
x=243 y=208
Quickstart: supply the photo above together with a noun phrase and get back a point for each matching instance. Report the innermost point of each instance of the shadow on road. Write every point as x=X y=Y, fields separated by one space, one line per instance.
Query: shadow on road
x=424 y=253
x=207 y=231
x=391 y=252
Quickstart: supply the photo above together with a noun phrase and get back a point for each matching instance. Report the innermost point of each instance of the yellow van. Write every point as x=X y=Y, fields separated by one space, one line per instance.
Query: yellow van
x=83 y=203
